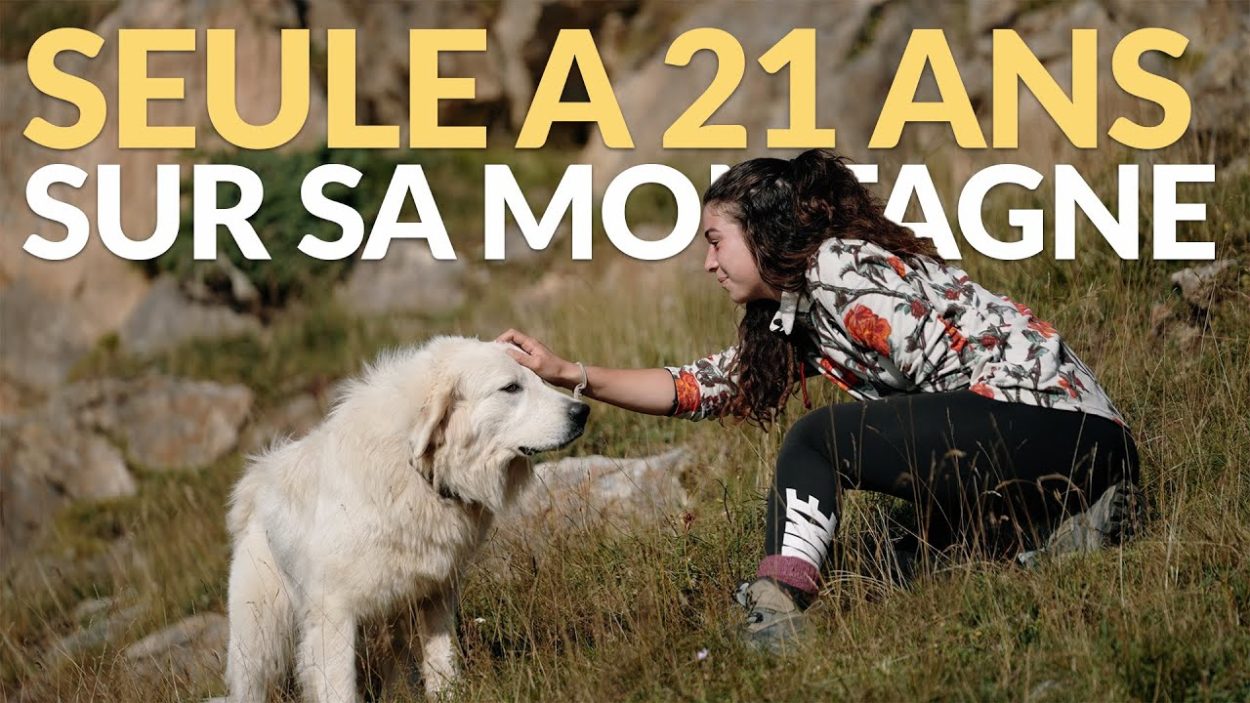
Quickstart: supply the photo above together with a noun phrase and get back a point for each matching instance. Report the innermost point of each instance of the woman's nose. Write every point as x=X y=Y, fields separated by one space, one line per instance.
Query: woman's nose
x=709 y=261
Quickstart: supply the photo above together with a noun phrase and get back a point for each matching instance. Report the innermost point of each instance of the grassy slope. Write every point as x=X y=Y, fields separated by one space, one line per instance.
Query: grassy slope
x=620 y=614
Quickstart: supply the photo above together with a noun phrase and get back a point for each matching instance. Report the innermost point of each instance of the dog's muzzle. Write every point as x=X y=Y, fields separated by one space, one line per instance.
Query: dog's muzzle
x=577 y=413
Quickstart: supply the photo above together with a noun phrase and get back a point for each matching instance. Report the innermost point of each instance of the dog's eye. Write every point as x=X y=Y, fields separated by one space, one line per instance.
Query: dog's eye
x=511 y=388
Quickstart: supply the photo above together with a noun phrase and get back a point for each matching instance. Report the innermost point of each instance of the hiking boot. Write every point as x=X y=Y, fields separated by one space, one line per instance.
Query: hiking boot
x=774 y=614
x=1114 y=518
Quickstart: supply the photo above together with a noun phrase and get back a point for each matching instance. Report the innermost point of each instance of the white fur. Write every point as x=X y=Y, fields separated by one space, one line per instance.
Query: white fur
x=378 y=509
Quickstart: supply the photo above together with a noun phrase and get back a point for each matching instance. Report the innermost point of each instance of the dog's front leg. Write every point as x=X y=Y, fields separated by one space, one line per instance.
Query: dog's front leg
x=436 y=621
x=328 y=654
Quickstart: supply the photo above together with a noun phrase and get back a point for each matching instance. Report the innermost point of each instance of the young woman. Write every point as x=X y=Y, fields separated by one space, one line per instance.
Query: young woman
x=971 y=407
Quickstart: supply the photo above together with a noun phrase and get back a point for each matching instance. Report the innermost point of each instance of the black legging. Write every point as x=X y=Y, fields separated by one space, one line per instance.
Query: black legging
x=974 y=467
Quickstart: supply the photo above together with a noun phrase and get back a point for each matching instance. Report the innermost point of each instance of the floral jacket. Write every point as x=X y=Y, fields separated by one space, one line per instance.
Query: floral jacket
x=877 y=326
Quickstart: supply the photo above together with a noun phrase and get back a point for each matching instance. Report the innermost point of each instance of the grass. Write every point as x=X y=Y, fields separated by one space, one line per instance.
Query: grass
x=621 y=613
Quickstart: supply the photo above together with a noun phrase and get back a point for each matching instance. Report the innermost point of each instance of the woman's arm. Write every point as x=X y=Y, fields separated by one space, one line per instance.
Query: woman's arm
x=649 y=391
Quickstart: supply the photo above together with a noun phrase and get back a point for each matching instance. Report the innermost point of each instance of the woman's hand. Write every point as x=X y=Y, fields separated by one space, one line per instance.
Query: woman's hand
x=541 y=360
x=648 y=391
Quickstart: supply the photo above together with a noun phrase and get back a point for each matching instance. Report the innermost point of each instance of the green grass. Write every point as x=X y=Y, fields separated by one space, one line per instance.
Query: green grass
x=620 y=613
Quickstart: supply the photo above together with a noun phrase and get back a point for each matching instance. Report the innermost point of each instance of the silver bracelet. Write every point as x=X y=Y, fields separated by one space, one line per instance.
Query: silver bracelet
x=577 y=390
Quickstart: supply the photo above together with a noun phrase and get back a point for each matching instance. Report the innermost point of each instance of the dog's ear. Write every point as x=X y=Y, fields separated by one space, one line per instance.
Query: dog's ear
x=427 y=432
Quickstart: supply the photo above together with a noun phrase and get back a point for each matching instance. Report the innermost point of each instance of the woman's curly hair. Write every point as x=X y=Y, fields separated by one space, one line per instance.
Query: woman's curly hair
x=787 y=209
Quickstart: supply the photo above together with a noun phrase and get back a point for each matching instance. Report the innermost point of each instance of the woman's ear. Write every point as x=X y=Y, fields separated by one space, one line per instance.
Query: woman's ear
x=427 y=432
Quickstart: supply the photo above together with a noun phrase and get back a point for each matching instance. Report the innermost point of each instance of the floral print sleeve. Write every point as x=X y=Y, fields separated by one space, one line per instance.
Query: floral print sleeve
x=704 y=387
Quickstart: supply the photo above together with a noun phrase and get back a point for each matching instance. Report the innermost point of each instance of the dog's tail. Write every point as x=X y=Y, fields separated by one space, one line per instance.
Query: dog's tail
x=262 y=468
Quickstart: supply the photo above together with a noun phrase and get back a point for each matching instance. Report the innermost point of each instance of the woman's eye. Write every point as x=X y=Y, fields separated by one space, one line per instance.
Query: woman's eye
x=511 y=388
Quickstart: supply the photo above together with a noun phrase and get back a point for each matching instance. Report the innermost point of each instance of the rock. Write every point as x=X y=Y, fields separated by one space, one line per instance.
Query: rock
x=47 y=462
x=550 y=289
x=98 y=633
x=382 y=46
x=579 y=493
x=1169 y=322
x=15 y=397
x=408 y=280
x=167 y=318
x=91 y=608
x=68 y=449
x=42 y=337
x=190 y=651
x=985 y=16
x=1047 y=30
x=1204 y=286
x=168 y=423
x=190 y=631
x=1162 y=317
x=513 y=28
x=1220 y=90
x=293 y=419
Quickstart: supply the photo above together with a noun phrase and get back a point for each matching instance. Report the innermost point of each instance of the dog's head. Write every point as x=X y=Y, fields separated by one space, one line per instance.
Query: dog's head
x=481 y=416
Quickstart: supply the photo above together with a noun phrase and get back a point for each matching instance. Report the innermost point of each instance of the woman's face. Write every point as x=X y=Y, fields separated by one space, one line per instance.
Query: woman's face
x=729 y=259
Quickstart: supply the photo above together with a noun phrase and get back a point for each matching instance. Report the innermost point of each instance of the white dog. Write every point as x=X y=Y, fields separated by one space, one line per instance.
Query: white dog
x=378 y=509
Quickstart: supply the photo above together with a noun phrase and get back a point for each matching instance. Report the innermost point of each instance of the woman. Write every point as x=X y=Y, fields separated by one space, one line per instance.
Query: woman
x=971 y=407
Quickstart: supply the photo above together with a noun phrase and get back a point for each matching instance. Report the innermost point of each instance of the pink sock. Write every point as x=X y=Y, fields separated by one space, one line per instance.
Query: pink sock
x=792 y=571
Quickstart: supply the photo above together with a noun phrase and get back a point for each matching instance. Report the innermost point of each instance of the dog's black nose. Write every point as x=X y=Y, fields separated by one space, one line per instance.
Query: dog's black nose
x=579 y=412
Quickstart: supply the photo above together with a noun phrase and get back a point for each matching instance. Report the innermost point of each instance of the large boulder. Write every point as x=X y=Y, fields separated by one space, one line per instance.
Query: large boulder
x=46 y=463
x=581 y=493
x=408 y=280
x=71 y=448
x=164 y=423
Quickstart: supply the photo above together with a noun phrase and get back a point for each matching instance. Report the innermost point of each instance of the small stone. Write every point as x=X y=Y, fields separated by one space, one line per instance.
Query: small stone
x=1204 y=286
x=197 y=630
x=192 y=651
x=94 y=636
x=91 y=607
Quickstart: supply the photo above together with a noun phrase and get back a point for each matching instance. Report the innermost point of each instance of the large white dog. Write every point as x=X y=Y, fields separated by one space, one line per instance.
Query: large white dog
x=378 y=509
